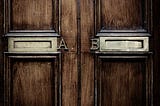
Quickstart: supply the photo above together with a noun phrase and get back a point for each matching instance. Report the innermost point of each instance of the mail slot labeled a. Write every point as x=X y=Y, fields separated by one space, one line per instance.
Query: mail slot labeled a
x=124 y=44
x=32 y=44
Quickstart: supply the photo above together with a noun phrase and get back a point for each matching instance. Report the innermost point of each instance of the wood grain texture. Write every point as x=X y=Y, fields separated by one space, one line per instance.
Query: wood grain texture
x=87 y=79
x=87 y=59
x=69 y=80
x=69 y=24
x=124 y=80
x=33 y=84
x=121 y=83
x=69 y=58
x=87 y=24
x=32 y=14
x=118 y=14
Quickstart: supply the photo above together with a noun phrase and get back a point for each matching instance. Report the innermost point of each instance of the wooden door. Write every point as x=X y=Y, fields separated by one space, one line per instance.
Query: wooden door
x=119 y=70
x=77 y=52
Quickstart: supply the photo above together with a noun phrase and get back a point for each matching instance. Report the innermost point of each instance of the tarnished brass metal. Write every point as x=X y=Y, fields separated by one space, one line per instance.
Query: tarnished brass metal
x=32 y=44
x=124 y=44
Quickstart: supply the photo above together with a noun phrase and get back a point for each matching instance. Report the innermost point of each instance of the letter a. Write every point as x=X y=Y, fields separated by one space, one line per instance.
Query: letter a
x=62 y=45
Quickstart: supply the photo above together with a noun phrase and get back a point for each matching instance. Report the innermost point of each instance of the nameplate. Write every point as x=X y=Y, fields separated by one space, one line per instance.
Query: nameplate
x=32 y=44
x=124 y=44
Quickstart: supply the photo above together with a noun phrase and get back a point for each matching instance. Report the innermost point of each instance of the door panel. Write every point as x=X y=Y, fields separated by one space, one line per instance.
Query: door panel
x=117 y=14
x=123 y=15
x=33 y=83
x=29 y=15
x=121 y=82
x=32 y=10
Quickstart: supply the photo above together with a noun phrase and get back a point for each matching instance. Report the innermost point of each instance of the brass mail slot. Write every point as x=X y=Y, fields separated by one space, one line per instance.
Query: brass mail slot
x=124 y=44
x=32 y=44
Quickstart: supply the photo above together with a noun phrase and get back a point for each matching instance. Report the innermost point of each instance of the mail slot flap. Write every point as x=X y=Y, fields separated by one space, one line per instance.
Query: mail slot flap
x=32 y=44
x=124 y=44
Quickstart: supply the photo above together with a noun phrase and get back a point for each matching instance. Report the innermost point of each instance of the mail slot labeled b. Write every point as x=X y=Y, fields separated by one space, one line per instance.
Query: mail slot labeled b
x=124 y=44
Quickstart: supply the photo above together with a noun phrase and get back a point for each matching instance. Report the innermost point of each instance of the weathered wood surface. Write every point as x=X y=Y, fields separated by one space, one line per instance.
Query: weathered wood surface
x=78 y=63
x=117 y=14
x=87 y=59
x=33 y=83
x=121 y=83
x=69 y=58
x=32 y=14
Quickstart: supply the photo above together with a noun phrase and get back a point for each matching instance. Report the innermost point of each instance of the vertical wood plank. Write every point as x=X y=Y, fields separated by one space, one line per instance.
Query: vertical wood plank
x=69 y=58
x=87 y=80
x=87 y=59
x=69 y=80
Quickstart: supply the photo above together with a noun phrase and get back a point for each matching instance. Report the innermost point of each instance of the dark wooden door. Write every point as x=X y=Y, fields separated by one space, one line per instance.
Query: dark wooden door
x=77 y=52
x=118 y=72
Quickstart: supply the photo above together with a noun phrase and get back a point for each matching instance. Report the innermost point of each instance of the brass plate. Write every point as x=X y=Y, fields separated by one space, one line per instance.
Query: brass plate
x=32 y=44
x=124 y=44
